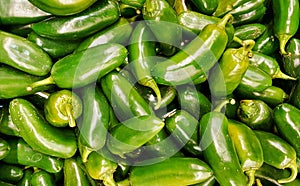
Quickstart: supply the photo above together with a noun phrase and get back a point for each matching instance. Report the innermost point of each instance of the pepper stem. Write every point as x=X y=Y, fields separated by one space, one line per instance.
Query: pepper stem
x=220 y=106
x=227 y=18
x=125 y=182
x=280 y=75
x=238 y=40
x=294 y=172
x=85 y=154
x=43 y=82
x=153 y=85
x=251 y=176
x=68 y=109
x=108 y=180
x=258 y=182
x=179 y=6
x=283 y=39
x=248 y=45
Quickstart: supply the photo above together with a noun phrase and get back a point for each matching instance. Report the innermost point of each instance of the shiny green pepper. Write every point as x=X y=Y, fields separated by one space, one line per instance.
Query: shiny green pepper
x=4 y=148
x=73 y=174
x=42 y=178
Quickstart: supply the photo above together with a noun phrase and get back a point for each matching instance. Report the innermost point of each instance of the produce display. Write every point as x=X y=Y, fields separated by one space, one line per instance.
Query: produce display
x=149 y=93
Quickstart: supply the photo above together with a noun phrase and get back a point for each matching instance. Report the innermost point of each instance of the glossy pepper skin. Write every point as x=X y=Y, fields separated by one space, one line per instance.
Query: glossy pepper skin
x=286 y=119
x=225 y=6
x=73 y=174
x=62 y=108
x=125 y=100
x=218 y=150
x=285 y=154
x=192 y=62
x=39 y=134
x=10 y=173
x=291 y=61
x=23 y=154
x=162 y=20
x=7 y=127
x=80 y=67
x=256 y=114
x=133 y=133
x=26 y=179
x=248 y=148
x=286 y=20
x=142 y=50
x=226 y=75
x=94 y=123
x=22 y=54
x=185 y=171
x=206 y=6
x=295 y=95
x=4 y=148
x=42 y=178
x=98 y=16
x=16 y=12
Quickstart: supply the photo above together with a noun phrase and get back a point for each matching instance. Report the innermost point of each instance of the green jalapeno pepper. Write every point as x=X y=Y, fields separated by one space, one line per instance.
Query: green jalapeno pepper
x=7 y=127
x=95 y=120
x=62 y=108
x=4 y=148
x=121 y=172
x=101 y=168
x=20 y=30
x=134 y=3
x=197 y=57
x=256 y=114
x=16 y=12
x=184 y=171
x=269 y=65
x=42 y=178
x=278 y=153
x=286 y=20
x=248 y=148
x=26 y=179
x=226 y=75
x=98 y=16
x=62 y=8
x=123 y=97
x=118 y=32
x=287 y=122
x=54 y=47
x=255 y=80
x=39 y=134
x=225 y=6
x=141 y=50
x=22 y=54
x=218 y=148
x=80 y=67
x=133 y=133
x=295 y=95
x=162 y=20
x=13 y=83
x=206 y=6
x=10 y=173
x=184 y=129
x=129 y=11
x=291 y=61
x=73 y=174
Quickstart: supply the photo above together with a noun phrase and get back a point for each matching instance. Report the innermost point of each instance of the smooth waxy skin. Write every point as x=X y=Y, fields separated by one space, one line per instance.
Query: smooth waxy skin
x=291 y=61
x=73 y=173
x=42 y=178
x=39 y=134
x=4 y=148
x=10 y=173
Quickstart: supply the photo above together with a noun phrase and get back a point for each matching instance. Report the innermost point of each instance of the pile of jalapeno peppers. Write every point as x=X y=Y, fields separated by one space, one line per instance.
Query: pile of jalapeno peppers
x=149 y=92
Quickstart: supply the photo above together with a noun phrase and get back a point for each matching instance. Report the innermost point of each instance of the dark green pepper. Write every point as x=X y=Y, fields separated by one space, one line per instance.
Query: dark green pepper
x=62 y=108
x=119 y=32
x=286 y=20
x=7 y=127
x=196 y=58
x=207 y=7
x=23 y=154
x=20 y=30
x=63 y=8
x=142 y=50
x=133 y=133
x=291 y=61
x=248 y=148
x=13 y=83
x=100 y=15
x=287 y=122
x=256 y=114
x=95 y=121
x=226 y=75
x=176 y=170
x=278 y=153
x=269 y=65
x=42 y=178
x=39 y=134
x=26 y=179
x=73 y=174
x=10 y=173
x=123 y=97
x=184 y=129
x=4 y=148
x=225 y=6
x=295 y=95
x=17 y=12
x=79 y=68
x=22 y=54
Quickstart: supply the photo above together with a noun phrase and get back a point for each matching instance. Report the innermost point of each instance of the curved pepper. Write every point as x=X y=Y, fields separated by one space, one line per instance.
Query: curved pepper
x=225 y=6
x=10 y=173
x=278 y=153
x=207 y=7
x=196 y=58
x=39 y=134
x=4 y=148
x=248 y=148
x=62 y=108
x=295 y=96
x=73 y=174
x=286 y=20
x=26 y=179
x=42 y=178
x=78 y=69
x=7 y=127
x=291 y=61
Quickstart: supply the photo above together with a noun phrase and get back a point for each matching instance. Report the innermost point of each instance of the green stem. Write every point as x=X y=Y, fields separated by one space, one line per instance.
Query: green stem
x=248 y=45
x=220 y=106
x=227 y=18
x=283 y=39
x=238 y=40
x=125 y=182
x=109 y=181
x=85 y=154
x=68 y=109
x=180 y=6
x=152 y=84
x=294 y=172
x=280 y=75
x=258 y=183
x=43 y=82
x=251 y=176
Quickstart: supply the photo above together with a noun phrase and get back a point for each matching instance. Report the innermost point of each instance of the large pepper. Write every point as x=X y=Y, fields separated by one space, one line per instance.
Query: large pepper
x=207 y=7
x=196 y=58
x=26 y=179
x=73 y=174
x=10 y=173
x=42 y=178
x=7 y=127
x=291 y=61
